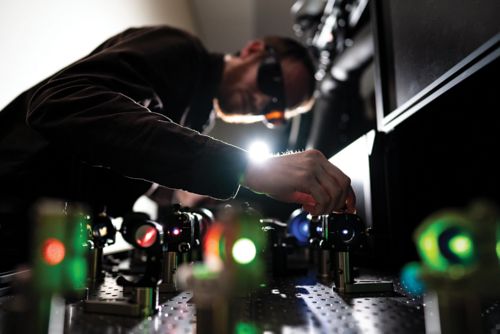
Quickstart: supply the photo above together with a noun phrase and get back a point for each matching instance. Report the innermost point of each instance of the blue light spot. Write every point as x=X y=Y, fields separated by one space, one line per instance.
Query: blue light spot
x=305 y=228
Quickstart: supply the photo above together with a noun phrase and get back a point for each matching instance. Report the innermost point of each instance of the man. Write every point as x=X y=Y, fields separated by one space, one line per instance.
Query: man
x=107 y=127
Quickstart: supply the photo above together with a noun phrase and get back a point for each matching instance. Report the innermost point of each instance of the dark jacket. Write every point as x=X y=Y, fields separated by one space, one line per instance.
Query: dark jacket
x=128 y=114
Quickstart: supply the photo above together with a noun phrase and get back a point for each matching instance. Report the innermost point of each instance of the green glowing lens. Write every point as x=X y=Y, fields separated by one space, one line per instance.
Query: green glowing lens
x=498 y=240
x=446 y=242
x=244 y=251
x=498 y=249
x=461 y=246
x=428 y=246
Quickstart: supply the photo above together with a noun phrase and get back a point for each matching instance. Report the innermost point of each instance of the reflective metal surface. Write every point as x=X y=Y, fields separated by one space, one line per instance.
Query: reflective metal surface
x=289 y=305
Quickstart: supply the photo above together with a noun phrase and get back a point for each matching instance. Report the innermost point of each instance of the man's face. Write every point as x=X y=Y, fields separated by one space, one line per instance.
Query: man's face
x=239 y=93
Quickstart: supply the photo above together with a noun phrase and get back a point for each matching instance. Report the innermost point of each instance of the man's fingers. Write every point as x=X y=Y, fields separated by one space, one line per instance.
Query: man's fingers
x=350 y=201
x=335 y=190
x=311 y=209
x=320 y=195
x=303 y=199
x=328 y=185
x=309 y=204
x=333 y=187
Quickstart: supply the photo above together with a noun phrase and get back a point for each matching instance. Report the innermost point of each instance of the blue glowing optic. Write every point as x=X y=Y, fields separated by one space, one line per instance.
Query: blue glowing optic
x=299 y=228
x=305 y=228
x=411 y=279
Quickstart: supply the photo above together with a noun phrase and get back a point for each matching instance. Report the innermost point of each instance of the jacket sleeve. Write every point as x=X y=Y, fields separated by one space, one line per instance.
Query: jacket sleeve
x=106 y=128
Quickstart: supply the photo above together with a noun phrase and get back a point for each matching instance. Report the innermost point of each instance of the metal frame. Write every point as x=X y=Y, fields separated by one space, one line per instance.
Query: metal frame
x=384 y=73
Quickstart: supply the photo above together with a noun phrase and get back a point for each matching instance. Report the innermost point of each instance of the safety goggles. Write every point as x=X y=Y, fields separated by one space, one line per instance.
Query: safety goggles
x=270 y=82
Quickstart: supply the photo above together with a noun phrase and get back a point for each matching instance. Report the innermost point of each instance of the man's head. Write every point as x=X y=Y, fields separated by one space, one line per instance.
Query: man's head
x=267 y=75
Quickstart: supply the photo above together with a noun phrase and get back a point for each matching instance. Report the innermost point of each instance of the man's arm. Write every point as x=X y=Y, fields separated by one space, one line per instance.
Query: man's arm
x=106 y=128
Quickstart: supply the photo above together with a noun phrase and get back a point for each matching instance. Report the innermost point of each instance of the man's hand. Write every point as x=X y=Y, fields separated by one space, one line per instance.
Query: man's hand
x=307 y=178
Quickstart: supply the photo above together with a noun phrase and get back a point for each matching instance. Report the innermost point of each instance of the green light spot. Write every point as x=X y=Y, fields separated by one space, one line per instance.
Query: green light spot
x=429 y=251
x=428 y=246
x=498 y=240
x=244 y=251
x=222 y=247
x=77 y=271
x=461 y=245
x=202 y=272
x=245 y=328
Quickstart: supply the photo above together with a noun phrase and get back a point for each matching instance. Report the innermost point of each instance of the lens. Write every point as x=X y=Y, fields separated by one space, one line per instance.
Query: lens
x=460 y=245
x=145 y=236
x=270 y=82
x=213 y=244
x=298 y=226
x=445 y=243
x=244 y=251
x=411 y=279
x=347 y=235
x=270 y=77
x=456 y=245
x=103 y=230
x=53 y=251
x=100 y=231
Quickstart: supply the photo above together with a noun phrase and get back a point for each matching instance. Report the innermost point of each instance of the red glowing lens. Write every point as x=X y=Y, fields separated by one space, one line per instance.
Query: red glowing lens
x=213 y=240
x=145 y=236
x=53 y=251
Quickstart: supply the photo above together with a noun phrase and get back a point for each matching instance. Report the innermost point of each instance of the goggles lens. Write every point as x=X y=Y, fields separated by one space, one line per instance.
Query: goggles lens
x=270 y=82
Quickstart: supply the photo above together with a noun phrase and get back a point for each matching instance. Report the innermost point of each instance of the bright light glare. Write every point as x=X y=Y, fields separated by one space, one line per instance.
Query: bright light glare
x=244 y=251
x=259 y=151
x=103 y=231
x=305 y=227
x=461 y=245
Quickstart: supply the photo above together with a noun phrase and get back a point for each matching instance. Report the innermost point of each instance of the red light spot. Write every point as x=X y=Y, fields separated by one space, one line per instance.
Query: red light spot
x=53 y=251
x=176 y=231
x=145 y=236
x=212 y=243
